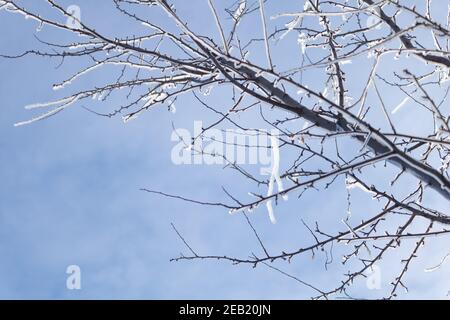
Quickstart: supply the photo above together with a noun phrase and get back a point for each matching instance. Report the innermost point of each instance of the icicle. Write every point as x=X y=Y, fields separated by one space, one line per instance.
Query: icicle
x=275 y=177
x=271 y=214
x=401 y=105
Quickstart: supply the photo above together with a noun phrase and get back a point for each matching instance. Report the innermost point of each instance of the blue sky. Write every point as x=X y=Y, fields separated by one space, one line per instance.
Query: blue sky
x=70 y=195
